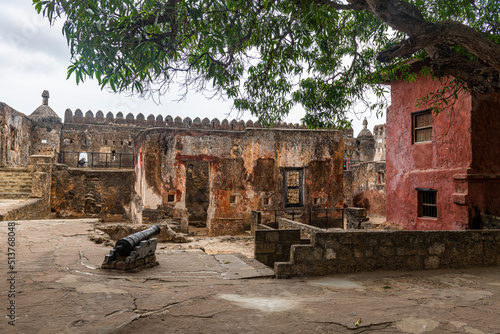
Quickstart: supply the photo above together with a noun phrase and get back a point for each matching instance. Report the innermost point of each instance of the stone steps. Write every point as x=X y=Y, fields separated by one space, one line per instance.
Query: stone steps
x=15 y=188
x=15 y=195
x=15 y=183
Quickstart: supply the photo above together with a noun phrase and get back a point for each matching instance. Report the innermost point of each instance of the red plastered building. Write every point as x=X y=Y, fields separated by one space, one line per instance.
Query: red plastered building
x=443 y=171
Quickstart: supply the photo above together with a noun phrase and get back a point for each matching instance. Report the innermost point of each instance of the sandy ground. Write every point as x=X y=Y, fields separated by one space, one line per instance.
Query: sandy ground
x=58 y=287
x=216 y=245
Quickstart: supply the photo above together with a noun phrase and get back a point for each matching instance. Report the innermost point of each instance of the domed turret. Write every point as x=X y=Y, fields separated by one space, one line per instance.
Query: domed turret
x=365 y=132
x=365 y=144
x=45 y=134
x=44 y=113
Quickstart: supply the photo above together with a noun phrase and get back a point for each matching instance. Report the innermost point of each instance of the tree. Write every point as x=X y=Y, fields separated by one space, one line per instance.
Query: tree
x=268 y=55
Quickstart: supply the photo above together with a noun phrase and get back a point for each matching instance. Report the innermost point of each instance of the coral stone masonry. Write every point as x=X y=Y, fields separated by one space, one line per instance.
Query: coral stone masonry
x=217 y=176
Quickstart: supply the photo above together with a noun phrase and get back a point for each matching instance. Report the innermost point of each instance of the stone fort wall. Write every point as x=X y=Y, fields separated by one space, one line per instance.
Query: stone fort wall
x=15 y=137
x=158 y=121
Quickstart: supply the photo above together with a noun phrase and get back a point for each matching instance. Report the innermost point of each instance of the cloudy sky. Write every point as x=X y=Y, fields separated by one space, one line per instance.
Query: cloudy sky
x=34 y=57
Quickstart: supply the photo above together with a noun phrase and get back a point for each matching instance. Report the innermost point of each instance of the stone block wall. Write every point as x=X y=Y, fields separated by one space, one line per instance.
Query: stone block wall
x=33 y=208
x=355 y=251
x=306 y=231
x=490 y=222
x=41 y=166
x=82 y=192
x=255 y=221
x=355 y=217
x=274 y=245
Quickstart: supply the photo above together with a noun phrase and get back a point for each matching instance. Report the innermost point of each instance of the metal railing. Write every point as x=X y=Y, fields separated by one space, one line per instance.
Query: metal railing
x=310 y=212
x=96 y=159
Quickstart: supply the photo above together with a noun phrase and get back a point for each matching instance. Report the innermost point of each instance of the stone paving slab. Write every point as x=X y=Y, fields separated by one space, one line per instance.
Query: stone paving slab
x=59 y=288
x=238 y=268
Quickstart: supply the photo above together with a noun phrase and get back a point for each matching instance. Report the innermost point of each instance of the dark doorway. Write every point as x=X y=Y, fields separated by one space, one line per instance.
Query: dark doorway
x=197 y=192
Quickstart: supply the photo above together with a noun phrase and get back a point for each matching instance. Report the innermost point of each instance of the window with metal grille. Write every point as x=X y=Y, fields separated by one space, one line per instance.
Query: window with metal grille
x=422 y=126
x=293 y=187
x=427 y=205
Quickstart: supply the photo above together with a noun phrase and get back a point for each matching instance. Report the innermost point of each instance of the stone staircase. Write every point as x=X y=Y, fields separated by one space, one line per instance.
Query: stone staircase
x=15 y=183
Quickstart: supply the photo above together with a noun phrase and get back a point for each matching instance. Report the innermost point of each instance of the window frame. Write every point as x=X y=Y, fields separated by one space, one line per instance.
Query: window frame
x=423 y=202
x=300 y=187
x=414 y=129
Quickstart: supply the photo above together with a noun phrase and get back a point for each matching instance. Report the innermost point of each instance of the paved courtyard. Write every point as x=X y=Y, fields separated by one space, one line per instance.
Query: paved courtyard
x=57 y=287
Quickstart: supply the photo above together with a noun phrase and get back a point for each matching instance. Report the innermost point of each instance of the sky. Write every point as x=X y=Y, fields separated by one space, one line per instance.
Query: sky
x=34 y=57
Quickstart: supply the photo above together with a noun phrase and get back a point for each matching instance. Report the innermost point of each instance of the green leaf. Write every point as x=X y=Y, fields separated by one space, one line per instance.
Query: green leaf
x=268 y=56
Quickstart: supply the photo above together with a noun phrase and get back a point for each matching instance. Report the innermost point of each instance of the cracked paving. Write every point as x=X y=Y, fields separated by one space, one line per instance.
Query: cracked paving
x=61 y=289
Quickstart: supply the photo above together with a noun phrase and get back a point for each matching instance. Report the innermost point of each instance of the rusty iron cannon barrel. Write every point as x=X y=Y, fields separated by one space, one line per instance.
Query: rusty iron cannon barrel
x=124 y=246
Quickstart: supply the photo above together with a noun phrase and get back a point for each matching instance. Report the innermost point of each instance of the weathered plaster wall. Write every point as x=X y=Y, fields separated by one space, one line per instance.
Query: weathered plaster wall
x=380 y=136
x=368 y=187
x=102 y=135
x=45 y=137
x=484 y=178
x=365 y=149
x=246 y=170
x=485 y=133
x=426 y=165
x=364 y=174
x=77 y=193
x=15 y=137
x=102 y=138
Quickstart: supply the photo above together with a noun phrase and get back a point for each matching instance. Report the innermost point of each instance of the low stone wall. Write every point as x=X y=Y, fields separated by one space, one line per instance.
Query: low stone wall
x=490 y=222
x=355 y=251
x=33 y=208
x=274 y=245
x=255 y=221
x=306 y=231
x=91 y=193
x=355 y=218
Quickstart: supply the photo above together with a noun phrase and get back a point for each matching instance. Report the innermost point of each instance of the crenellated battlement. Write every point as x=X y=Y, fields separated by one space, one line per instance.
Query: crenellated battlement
x=379 y=130
x=158 y=121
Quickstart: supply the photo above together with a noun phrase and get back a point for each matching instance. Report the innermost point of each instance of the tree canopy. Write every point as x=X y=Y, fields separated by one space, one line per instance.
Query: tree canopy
x=268 y=55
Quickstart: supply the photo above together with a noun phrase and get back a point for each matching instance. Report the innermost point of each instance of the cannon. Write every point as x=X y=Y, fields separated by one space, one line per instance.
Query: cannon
x=124 y=246
x=134 y=251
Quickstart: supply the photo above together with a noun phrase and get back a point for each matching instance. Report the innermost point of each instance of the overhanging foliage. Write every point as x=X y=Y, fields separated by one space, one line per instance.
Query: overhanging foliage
x=268 y=56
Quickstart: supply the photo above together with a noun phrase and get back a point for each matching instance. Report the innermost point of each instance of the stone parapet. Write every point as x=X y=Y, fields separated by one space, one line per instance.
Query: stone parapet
x=356 y=251
x=158 y=121
x=274 y=245
x=306 y=231
x=355 y=218
x=255 y=221
x=33 y=208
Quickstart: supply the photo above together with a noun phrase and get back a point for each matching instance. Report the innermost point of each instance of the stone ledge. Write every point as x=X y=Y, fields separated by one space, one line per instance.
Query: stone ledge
x=354 y=251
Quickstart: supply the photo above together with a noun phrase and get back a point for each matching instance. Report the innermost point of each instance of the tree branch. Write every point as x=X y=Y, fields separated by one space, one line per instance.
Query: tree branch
x=451 y=33
x=353 y=4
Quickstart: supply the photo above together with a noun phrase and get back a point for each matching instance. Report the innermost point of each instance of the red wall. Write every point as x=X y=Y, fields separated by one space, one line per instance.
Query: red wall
x=426 y=165
x=484 y=179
